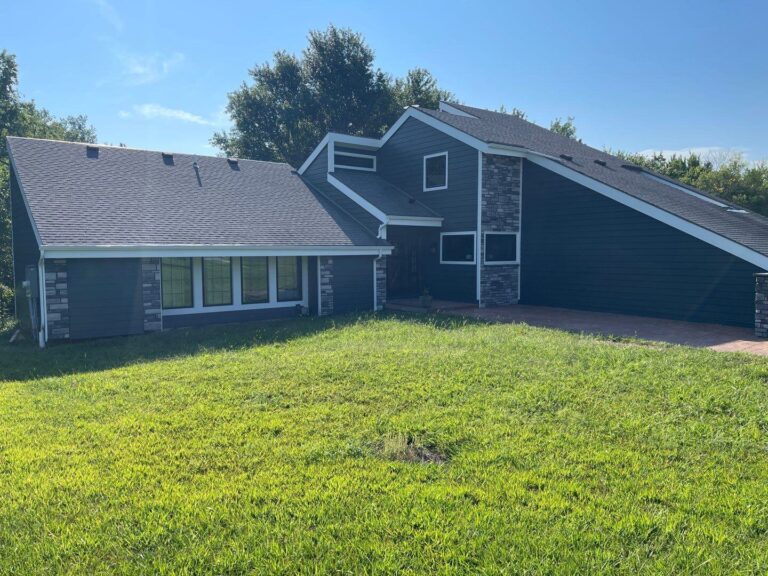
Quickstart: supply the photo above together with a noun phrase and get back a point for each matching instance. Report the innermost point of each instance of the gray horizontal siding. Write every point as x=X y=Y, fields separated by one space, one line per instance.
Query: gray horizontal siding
x=443 y=281
x=401 y=159
x=25 y=249
x=582 y=250
x=352 y=284
x=317 y=175
x=105 y=297
x=230 y=317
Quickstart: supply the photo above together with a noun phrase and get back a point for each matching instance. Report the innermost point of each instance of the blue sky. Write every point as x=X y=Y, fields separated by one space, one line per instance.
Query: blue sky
x=636 y=76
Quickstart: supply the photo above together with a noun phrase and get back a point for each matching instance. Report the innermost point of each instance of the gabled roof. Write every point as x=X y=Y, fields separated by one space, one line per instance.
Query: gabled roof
x=385 y=196
x=695 y=206
x=80 y=196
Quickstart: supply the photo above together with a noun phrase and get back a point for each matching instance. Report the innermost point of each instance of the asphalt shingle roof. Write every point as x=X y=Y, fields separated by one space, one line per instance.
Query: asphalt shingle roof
x=750 y=229
x=385 y=196
x=128 y=197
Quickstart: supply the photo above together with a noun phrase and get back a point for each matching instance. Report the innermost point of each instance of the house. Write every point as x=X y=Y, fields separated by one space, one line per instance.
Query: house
x=470 y=205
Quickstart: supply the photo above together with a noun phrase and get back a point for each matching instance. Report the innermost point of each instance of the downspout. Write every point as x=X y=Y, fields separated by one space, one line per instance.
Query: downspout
x=43 y=333
x=382 y=235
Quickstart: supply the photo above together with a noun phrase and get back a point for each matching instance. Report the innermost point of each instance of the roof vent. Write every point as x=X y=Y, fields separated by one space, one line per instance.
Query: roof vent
x=567 y=157
x=167 y=158
x=632 y=167
x=233 y=163
x=196 y=166
x=92 y=151
x=600 y=162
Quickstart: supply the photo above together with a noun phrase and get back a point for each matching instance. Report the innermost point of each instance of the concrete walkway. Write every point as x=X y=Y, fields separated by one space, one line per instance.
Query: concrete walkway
x=712 y=336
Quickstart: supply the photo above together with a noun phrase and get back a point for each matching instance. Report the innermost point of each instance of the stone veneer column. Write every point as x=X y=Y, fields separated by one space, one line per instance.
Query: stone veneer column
x=381 y=282
x=57 y=299
x=326 y=285
x=151 y=295
x=761 y=305
x=500 y=203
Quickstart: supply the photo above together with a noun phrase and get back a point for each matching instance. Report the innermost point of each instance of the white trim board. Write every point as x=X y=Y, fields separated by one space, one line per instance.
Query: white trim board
x=703 y=234
x=192 y=251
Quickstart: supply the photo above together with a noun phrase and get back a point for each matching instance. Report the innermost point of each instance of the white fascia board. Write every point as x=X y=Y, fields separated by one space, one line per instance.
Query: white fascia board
x=415 y=221
x=158 y=251
x=436 y=124
x=446 y=107
x=24 y=198
x=357 y=199
x=315 y=154
x=703 y=234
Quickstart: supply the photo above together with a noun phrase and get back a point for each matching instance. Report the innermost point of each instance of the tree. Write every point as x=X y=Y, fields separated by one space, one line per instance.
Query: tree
x=731 y=178
x=20 y=117
x=567 y=128
x=333 y=87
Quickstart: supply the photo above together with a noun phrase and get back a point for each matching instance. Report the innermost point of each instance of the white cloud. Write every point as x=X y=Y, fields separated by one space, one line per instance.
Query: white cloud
x=152 y=111
x=147 y=68
x=108 y=13
x=124 y=114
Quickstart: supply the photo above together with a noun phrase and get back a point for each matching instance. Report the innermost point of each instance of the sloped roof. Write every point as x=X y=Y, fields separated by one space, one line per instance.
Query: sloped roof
x=385 y=196
x=748 y=229
x=128 y=197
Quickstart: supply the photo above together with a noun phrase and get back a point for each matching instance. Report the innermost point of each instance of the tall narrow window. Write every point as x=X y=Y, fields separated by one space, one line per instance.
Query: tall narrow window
x=254 y=274
x=436 y=172
x=177 y=282
x=217 y=281
x=288 y=278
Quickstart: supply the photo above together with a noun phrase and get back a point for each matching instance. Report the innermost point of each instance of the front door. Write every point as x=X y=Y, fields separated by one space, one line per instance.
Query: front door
x=404 y=266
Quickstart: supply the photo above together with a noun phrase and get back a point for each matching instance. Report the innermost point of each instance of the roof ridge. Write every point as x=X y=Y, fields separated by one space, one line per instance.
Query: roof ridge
x=148 y=150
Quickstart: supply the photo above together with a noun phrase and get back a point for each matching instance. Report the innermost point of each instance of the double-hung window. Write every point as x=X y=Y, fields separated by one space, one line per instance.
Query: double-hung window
x=176 y=279
x=217 y=281
x=288 y=278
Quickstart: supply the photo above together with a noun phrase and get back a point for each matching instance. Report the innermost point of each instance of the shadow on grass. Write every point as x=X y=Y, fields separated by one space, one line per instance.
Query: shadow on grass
x=25 y=361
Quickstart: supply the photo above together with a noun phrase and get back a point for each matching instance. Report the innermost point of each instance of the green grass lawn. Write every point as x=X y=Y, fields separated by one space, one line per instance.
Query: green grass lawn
x=381 y=446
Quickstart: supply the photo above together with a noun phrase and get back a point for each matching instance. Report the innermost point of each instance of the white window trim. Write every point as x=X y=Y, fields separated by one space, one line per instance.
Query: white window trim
x=353 y=155
x=197 y=290
x=501 y=262
x=424 y=172
x=474 y=248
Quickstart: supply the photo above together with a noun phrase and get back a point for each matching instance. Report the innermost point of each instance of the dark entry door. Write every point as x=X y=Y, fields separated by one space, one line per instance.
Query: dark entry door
x=105 y=297
x=404 y=266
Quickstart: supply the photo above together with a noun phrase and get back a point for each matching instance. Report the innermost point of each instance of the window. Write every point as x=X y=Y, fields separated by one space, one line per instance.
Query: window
x=436 y=172
x=457 y=248
x=500 y=248
x=254 y=274
x=217 y=281
x=288 y=278
x=176 y=278
x=354 y=161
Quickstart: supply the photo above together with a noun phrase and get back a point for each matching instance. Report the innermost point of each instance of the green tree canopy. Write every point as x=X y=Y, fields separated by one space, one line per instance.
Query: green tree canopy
x=733 y=178
x=19 y=117
x=293 y=101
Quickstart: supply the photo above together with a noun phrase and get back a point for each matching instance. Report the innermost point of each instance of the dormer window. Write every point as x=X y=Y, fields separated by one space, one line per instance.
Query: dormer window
x=436 y=172
x=352 y=161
